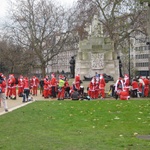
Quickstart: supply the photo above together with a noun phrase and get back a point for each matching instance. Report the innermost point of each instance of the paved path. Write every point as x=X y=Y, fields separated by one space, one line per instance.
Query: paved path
x=14 y=104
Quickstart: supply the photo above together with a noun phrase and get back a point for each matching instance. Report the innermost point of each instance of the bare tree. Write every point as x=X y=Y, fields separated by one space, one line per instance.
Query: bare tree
x=40 y=27
x=14 y=58
x=120 y=18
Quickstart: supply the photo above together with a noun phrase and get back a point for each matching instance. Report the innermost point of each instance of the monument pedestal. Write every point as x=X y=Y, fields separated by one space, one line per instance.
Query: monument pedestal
x=96 y=55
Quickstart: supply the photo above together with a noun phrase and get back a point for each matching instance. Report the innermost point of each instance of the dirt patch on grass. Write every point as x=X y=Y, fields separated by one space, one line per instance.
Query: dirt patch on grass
x=144 y=137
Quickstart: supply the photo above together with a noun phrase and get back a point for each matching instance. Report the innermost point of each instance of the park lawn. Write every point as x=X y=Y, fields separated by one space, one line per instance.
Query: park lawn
x=77 y=125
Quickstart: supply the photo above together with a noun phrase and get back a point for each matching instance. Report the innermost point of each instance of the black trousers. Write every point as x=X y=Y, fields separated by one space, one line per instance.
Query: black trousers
x=26 y=94
x=53 y=91
x=134 y=93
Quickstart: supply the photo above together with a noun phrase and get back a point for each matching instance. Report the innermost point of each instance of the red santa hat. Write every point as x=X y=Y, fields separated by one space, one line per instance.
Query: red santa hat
x=126 y=76
x=101 y=76
x=52 y=75
x=60 y=76
x=93 y=80
x=141 y=77
x=21 y=76
x=1 y=74
x=78 y=75
x=11 y=75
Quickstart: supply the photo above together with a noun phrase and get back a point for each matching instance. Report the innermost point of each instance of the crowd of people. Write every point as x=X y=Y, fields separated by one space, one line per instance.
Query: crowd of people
x=25 y=86
x=60 y=89
x=123 y=88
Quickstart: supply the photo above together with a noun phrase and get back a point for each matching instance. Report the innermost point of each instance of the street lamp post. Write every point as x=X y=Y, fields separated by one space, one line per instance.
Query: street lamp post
x=148 y=30
x=129 y=63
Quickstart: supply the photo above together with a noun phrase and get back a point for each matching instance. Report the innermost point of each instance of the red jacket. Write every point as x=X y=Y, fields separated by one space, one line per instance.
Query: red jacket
x=35 y=81
x=3 y=86
x=53 y=81
x=26 y=83
x=20 y=82
x=102 y=83
x=146 y=81
x=134 y=85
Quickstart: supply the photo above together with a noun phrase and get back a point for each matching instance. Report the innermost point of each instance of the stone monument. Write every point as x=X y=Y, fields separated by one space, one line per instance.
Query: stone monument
x=96 y=53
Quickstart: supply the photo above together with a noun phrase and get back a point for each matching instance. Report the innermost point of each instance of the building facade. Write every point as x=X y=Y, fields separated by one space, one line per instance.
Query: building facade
x=140 y=56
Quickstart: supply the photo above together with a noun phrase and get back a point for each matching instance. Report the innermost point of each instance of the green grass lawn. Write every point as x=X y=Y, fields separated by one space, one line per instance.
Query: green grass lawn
x=77 y=125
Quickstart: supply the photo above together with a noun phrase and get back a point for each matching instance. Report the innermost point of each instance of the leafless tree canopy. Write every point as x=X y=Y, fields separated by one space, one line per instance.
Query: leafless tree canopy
x=120 y=18
x=40 y=27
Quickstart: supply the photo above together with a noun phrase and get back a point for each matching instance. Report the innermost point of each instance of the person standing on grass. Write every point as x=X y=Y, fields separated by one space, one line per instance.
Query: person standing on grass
x=119 y=86
x=142 y=85
x=126 y=83
x=41 y=86
x=8 y=89
x=61 y=88
x=67 y=88
x=146 y=89
x=102 y=85
x=135 y=88
x=77 y=82
x=2 y=91
x=46 y=87
x=26 y=89
x=35 y=83
x=20 y=86
x=91 y=88
x=53 y=85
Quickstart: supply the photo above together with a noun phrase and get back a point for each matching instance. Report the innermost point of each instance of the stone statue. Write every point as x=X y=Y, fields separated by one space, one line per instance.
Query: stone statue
x=120 y=66
x=96 y=27
x=72 y=66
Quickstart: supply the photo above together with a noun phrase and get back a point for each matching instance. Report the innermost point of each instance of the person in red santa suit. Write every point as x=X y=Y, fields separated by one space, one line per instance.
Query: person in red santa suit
x=20 y=86
x=77 y=82
x=50 y=89
x=67 y=88
x=149 y=84
x=91 y=90
x=61 y=88
x=12 y=83
x=135 y=88
x=119 y=86
x=53 y=85
x=102 y=85
x=120 y=91
x=126 y=83
x=124 y=95
x=146 y=88
x=35 y=83
x=9 y=89
x=46 y=87
x=97 y=92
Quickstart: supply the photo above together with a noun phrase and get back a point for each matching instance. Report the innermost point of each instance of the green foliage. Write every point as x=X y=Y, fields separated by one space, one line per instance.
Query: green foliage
x=77 y=125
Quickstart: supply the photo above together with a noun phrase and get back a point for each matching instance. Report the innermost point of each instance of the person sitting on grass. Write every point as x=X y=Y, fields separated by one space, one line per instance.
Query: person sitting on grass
x=75 y=95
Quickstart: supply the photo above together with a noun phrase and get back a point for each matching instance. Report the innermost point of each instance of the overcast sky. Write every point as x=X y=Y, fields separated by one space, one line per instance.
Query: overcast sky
x=3 y=6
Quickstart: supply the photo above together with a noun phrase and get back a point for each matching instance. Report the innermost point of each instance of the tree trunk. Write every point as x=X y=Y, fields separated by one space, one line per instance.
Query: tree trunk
x=43 y=67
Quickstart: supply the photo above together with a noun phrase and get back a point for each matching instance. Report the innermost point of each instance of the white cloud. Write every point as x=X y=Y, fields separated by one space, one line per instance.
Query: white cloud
x=3 y=5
